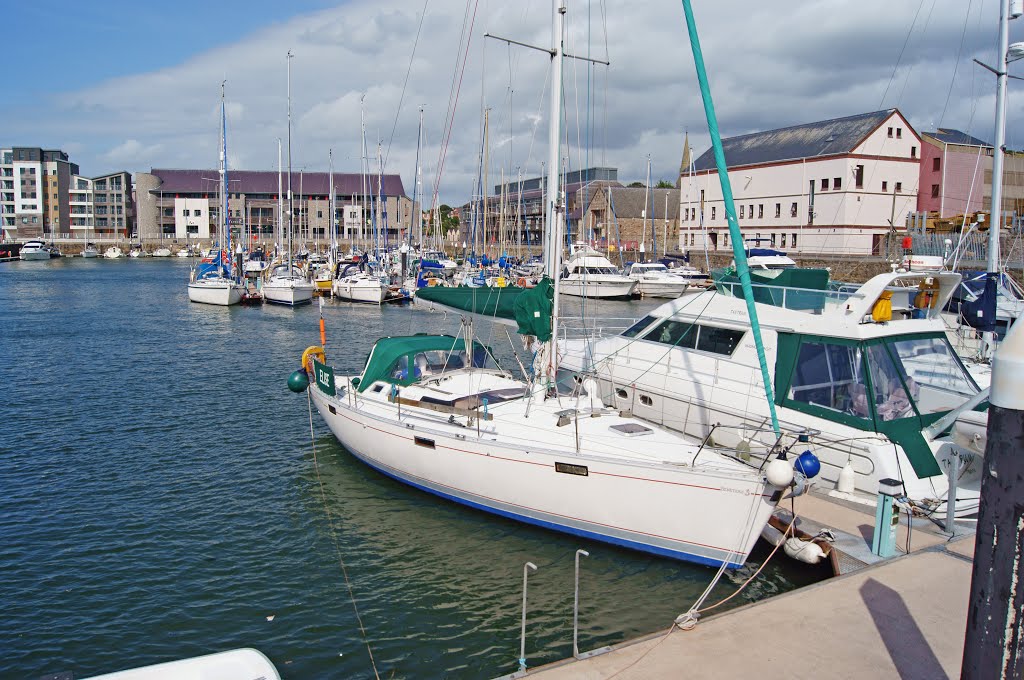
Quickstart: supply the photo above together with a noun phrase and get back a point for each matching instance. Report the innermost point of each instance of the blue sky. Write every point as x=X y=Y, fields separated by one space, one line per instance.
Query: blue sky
x=131 y=86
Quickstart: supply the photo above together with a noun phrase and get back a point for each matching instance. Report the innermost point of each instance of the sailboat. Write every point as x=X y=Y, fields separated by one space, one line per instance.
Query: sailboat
x=287 y=283
x=212 y=282
x=436 y=413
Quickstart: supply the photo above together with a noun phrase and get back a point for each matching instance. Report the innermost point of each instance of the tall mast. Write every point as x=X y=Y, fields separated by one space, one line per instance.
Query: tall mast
x=363 y=168
x=415 y=188
x=280 y=199
x=291 y=205
x=647 y=194
x=330 y=202
x=553 y=250
x=225 y=236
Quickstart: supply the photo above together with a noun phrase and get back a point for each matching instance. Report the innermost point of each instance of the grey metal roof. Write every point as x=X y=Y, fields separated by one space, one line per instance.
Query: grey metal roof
x=265 y=182
x=948 y=136
x=824 y=138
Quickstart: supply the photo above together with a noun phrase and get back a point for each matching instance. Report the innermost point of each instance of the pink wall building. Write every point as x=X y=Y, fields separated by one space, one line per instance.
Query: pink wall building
x=953 y=170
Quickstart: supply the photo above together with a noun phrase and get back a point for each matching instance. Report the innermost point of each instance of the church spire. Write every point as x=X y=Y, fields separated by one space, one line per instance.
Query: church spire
x=684 y=166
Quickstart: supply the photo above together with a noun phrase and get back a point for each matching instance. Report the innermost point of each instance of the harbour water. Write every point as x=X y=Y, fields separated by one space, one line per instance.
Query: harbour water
x=161 y=498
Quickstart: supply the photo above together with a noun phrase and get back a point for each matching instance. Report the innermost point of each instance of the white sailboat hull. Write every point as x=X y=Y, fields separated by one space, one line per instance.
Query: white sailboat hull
x=675 y=511
x=162 y=252
x=219 y=292
x=365 y=291
x=660 y=288
x=597 y=287
x=288 y=292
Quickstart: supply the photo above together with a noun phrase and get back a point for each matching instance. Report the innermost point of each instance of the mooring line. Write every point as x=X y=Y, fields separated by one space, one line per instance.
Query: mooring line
x=334 y=538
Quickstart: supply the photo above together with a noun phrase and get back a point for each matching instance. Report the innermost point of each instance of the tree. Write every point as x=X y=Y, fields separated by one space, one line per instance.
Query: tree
x=636 y=185
x=664 y=184
x=449 y=220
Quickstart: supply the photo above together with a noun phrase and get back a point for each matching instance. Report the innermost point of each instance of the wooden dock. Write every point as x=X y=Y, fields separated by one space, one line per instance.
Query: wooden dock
x=902 y=617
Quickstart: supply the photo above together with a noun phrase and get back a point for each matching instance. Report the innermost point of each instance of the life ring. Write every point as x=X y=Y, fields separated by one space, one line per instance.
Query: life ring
x=314 y=351
x=521 y=282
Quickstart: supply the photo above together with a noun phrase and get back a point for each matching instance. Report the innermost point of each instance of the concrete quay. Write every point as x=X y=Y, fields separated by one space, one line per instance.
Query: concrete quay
x=903 y=617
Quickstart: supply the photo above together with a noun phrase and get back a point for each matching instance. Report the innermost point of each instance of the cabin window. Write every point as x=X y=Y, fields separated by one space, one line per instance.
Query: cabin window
x=646 y=401
x=675 y=333
x=940 y=380
x=639 y=327
x=831 y=376
x=718 y=340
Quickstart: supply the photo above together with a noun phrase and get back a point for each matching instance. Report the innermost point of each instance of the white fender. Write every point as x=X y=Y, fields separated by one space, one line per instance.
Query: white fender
x=803 y=551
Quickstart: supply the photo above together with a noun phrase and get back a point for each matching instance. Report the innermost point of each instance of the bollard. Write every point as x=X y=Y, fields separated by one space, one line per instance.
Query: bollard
x=576 y=605
x=883 y=543
x=522 y=636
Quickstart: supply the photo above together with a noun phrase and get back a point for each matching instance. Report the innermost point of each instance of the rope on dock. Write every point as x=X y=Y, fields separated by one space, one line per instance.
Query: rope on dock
x=334 y=538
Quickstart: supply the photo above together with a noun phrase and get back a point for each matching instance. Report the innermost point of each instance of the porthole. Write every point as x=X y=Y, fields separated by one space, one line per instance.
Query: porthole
x=645 y=400
x=621 y=394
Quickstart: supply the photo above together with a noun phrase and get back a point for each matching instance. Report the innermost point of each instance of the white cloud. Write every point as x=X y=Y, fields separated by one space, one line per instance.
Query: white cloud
x=770 y=64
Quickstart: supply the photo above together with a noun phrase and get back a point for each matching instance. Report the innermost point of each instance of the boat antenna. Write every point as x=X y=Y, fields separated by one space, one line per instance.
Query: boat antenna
x=742 y=270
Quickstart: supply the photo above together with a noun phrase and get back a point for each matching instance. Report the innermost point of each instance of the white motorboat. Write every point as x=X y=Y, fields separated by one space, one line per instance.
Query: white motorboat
x=768 y=263
x=590 y=274
x=353 y=285
x=113 y=253
x=869 y=367
x=34 y=250
x=137 y=251
x=653 y=279
x=288 y=285
x=90 y=251
x=426 y=414
x=256 y=263
x=162 y=252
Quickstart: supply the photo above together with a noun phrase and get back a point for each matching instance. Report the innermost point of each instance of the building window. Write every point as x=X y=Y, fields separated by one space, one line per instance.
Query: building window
x=899 y=133
x=760 y=210
x=824 y=184
x=185 y=213
x=741 y=212
x=890 y=133
x=913 y=152
x=792 y=210
x=199 y=212
x=773 y=239
x=899 y=187
x=778 y=210
x=885 y=186
x=837 y=183
x=750 y=210
x=713 y=211
x=935 y=191
x=319 y=213
x=936 y=164
x=783 y=240
x=858 y=177
x=725 y=239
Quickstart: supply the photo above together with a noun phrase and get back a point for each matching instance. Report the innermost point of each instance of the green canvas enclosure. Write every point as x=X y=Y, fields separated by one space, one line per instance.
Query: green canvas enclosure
x=396 y=360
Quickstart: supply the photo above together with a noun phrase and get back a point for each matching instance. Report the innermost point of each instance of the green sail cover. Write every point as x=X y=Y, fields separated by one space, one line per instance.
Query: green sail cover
x=533 y=310
x=530 y=308
x=485 y=301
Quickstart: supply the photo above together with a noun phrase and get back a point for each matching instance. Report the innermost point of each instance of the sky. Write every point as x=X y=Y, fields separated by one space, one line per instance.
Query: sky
x=132 y=86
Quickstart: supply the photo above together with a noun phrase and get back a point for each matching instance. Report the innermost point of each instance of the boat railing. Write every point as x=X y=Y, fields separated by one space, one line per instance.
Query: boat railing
x=589 y=328
x=791 y=297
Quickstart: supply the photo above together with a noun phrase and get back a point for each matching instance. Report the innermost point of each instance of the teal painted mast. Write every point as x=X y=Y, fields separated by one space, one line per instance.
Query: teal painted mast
x=742 y=270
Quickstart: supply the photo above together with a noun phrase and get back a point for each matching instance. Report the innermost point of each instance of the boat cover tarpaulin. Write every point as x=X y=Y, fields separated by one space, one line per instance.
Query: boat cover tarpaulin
x=530 y=308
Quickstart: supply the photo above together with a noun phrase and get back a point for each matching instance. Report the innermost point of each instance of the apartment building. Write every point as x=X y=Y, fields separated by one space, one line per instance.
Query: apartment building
x=185 y=204
x=44 y=195
x=831 y=187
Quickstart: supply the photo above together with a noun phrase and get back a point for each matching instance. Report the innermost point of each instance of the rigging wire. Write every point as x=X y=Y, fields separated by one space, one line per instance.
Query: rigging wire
x=334 y=539
x=412 y=56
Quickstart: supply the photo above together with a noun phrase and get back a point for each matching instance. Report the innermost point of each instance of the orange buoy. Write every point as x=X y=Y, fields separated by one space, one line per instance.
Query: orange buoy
x=323 y=332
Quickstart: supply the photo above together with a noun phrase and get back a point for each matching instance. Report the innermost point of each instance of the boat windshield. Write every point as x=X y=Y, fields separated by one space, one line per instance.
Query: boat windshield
x=596 y=270
x=896 y=378
x=431 y=363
